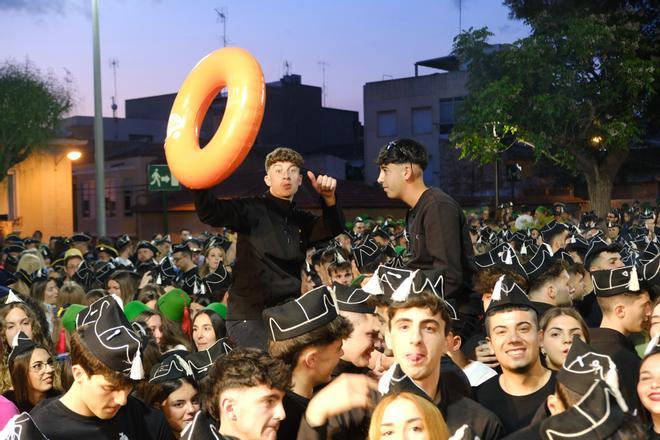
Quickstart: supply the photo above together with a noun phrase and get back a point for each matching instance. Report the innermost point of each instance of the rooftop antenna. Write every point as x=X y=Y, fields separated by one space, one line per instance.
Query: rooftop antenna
x=114 y=64
x=222 y=17
x=324 y=91
x=460 y=16
x=287 y=67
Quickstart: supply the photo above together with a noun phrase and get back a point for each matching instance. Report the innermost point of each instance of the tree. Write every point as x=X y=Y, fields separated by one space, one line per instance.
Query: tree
x=31 y=107
x=578 y=91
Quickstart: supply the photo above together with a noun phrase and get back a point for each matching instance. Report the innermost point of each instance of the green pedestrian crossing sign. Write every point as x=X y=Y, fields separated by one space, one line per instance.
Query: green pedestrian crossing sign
x=160 y=178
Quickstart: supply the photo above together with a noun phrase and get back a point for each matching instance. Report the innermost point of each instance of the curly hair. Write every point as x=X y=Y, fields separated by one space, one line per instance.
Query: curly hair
x=243 y=368
x=284 y=154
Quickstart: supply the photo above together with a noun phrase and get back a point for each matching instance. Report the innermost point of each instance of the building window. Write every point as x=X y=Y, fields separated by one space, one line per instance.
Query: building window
x=387 y=124
x=87 y=198
x=422 y=120
x=447 y=110
x=128 y=202
x=111 y=198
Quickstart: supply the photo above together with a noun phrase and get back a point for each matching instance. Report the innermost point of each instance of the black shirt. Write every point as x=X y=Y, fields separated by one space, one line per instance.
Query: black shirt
x=439 y=239
x=133 y=421
x=515 y=412
x=622 y=351
x=294 y=408
x=26 y=406
x=273 y=236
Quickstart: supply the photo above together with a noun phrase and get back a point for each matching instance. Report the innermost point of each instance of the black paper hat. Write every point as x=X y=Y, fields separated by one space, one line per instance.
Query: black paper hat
x=647 y=214
x=564 y=256
x=107 y=249
x=503 y=256
x=123 y=240
x=508 y=293
x=173 y=367
x=217 y=281
x=85 y=275
x=538 y=264
x=366 y=253
x=610 y=282
x=352 y=299
x=549 y=231
x=30 y=278
x=104 y=269
x=584 y=365
x=595 y=417
x=302 y=315
x=165 y=272
x=164 y=239
x=13 y=248
x=181 y=247
x=201 y=361
x=650 y=271
x=80 y=238
x=218 y=241
x=146 y=245
x=21 y=344
x=397 y=284
x=577 y=243
x=191 y=283
x=22 y=427
x=106 y=332
x=201 y=428
x=596 y=246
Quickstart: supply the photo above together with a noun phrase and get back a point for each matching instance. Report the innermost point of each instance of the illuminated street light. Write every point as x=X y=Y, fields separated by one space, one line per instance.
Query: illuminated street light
x=597 y=140
x=73 y=155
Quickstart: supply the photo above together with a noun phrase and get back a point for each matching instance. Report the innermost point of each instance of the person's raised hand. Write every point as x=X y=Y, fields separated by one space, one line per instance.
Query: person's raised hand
x=347 y=392
x=325 y=186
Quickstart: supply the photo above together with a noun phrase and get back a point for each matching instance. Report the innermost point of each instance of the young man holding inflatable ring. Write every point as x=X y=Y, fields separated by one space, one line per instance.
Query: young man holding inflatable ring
x=273 y=236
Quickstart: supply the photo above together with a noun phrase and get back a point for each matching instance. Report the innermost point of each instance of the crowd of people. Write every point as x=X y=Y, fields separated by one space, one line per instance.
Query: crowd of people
x=511 y=322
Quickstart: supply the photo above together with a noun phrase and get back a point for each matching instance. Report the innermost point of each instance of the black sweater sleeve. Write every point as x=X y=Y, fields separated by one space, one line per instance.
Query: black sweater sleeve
x=230 y=213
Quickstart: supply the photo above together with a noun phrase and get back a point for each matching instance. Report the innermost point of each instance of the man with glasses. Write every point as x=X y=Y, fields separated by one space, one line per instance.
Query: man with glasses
x=273 y=236
x=435 y=223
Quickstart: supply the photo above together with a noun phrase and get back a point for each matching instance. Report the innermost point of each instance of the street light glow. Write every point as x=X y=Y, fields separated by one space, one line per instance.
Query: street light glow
x=73 y=155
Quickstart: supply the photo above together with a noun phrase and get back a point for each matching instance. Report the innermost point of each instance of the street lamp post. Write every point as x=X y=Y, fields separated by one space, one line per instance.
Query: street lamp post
x=98 y=125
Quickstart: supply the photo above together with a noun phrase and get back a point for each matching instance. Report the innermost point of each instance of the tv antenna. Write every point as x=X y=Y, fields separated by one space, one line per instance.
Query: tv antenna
x=324 y=91
x=114 y=64
x=222 y=17
x=287 y=67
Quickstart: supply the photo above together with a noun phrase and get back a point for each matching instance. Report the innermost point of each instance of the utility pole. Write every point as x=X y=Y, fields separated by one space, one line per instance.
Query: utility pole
x=222 y=17
x=114 y=64
x=98 y=124
x=324 y=91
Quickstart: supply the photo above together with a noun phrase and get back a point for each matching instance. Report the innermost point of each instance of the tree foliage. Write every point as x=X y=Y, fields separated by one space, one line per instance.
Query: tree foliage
x=578 y=91
x=31 y=107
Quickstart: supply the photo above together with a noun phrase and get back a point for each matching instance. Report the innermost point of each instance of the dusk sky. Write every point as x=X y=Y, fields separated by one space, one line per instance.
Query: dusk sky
x=156 y=43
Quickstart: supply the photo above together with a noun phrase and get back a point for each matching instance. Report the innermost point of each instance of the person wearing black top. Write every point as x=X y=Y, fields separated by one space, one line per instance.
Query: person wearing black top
x=513 y=334
x=437 y=230
x=418 y=340
x=626 y=308
x=307 y=335
x=105 y=364
x=273 y=236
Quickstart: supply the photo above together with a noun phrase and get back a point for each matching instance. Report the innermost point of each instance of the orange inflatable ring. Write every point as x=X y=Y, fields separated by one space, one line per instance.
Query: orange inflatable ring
x=240 y=72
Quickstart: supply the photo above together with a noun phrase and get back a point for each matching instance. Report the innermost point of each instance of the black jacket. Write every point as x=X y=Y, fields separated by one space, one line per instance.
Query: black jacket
x=438 y=236
x=272 y=239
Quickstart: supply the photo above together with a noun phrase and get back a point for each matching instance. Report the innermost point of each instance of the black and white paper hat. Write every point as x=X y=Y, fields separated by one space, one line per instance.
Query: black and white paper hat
x=299 y=316
x=201 y=428
x=400 y=382
x=171 y=368
x=596 y=246
x=352 y=299
x=217 y=281
x=21 y=344
x=508 y=293
x=146 y=245
x=85 y=275
x=503 y=256
x=22 y=427
x=106 y=332
x=539 y=263
x=201 y=361
x=584 y=365
x=549 y=231
x=366 y=253
x=397 y=284
x=595 y=417
x=651 y=271
x=610 y=282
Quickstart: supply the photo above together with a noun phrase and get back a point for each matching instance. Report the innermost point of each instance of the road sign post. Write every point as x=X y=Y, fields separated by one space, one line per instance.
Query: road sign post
x=161 y=179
